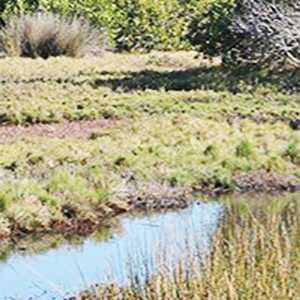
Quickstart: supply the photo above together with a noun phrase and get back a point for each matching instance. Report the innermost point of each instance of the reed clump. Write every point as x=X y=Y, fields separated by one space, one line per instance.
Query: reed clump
x=255 y=256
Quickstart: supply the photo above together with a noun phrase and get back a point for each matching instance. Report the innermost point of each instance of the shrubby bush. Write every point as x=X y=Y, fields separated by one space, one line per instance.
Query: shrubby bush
x=209 y=27
x=260 y=33
x=47 y=34
x=12 y=7
x=130 y=24
x=242 y=32
x=266 y=33
x=144 y=24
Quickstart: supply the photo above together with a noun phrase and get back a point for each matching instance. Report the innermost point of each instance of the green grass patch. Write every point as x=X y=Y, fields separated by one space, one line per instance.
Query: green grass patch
x=181 y=121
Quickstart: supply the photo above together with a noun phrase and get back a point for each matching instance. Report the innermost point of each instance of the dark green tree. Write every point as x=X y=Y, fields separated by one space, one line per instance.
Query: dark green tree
x=17 y=5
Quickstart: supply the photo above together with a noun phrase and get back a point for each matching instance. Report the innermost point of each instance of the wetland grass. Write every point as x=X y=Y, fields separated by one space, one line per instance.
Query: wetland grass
x=255 y=255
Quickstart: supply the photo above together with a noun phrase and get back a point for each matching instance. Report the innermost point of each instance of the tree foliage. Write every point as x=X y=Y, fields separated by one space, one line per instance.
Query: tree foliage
x=266 y=33
x=130 y=24
x=263 y=33
x=208 y=27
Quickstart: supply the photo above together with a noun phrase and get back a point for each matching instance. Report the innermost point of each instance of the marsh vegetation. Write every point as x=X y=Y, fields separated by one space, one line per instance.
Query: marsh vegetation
x=88 y=139
x=255 y=255
x=56 y=173
x=244 y=245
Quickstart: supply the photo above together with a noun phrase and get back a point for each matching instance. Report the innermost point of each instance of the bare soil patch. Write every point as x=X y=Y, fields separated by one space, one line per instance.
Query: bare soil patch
x=75 y=129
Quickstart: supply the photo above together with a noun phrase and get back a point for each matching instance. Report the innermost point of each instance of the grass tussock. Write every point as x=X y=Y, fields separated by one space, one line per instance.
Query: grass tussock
x=47 y=34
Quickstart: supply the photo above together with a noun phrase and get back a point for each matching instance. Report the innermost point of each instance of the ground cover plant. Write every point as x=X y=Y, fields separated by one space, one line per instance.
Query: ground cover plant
x=143 y=123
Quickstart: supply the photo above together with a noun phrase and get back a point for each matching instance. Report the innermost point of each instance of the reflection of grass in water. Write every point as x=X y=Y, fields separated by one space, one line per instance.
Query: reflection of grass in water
x=40 y=244
x=256 y=255
x=5 y=250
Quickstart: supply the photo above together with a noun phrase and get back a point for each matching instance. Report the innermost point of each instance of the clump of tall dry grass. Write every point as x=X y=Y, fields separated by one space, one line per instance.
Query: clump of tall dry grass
x=256 y=255
x=47 y=34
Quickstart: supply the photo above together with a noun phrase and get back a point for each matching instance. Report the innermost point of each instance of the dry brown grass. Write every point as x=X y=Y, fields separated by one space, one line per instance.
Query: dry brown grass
x=255 y=256
x=46 y=34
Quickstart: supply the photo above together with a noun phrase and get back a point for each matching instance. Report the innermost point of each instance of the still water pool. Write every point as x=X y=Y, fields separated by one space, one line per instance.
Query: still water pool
x=137 y=248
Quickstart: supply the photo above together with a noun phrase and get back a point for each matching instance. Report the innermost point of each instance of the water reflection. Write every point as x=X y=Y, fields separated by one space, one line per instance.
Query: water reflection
x=135 y=251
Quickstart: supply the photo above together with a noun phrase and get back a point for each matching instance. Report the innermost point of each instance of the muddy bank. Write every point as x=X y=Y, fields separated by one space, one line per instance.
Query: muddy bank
x=70 y=220
x=263 y=181
x=74 y=219
x=254 y=181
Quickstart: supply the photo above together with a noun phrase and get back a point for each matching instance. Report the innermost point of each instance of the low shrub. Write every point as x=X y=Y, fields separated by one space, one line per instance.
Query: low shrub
x=138 y=24
x=47 y=34
x=249 y=32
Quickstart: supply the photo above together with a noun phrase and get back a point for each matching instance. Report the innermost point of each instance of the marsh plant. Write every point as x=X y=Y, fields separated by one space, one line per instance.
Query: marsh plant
x=255 y=256
x=47 y=34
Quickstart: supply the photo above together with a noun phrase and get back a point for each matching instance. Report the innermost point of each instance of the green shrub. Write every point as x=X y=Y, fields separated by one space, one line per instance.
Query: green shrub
x=133 y=24
x=144 y=24
x=4 y=201
x=130 y=24
x=47 y=34
x=12 y=7
x=208 y=29
x=293 y=151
